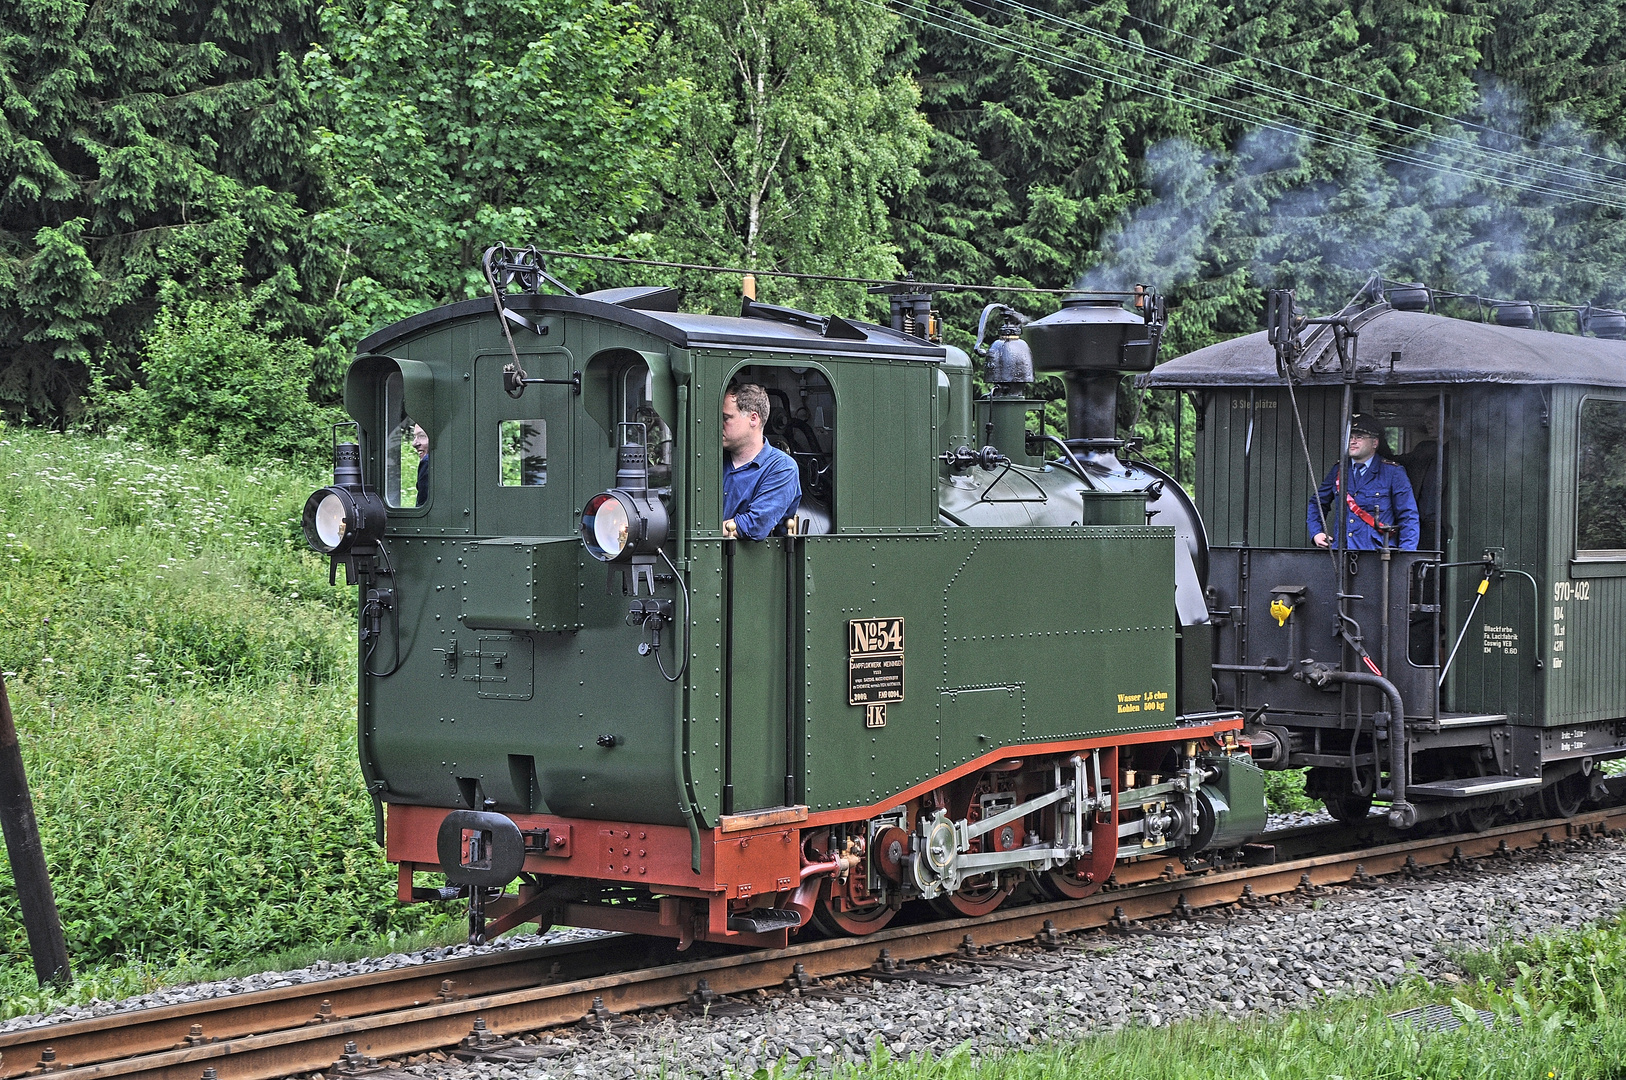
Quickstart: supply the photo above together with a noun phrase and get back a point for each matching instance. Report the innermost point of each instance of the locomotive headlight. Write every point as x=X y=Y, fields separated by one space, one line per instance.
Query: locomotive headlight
x=337 y=520
x=620 y=524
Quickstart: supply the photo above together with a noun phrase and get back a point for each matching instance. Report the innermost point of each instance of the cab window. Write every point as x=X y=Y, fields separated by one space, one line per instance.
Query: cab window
x=801 y=422
x=524 y=449
x=638 y=407
x=406 y=451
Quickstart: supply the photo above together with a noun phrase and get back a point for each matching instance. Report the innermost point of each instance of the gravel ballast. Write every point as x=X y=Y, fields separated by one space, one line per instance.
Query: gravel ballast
x=1278 y=956
x=1235 y=961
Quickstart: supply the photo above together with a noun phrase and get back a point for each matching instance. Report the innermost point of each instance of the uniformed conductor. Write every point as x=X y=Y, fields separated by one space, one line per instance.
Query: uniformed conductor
x=1380 y=507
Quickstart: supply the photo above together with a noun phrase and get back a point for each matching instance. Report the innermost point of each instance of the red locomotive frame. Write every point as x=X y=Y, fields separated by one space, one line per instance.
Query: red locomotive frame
x=747 y=861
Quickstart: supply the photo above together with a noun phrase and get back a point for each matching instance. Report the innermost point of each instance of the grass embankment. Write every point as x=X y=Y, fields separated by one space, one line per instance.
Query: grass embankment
x=1561 y=1015
x=184 y=692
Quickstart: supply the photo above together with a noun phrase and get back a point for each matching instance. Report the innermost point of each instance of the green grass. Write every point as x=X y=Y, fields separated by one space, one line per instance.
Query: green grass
x=184 y=693
x=1567 y=994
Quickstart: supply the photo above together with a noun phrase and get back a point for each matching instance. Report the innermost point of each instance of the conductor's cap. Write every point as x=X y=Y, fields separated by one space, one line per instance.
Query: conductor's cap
x=1362 y=424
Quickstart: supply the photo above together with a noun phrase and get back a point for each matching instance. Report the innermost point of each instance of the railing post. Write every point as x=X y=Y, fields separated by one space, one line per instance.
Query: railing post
x=27 y=858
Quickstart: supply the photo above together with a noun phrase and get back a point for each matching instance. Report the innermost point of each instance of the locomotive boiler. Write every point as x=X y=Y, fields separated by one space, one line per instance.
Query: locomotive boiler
x=977 y=662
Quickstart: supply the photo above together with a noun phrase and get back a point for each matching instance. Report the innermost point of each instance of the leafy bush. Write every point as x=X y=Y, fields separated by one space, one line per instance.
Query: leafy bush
x=1284 y=792
x=219 y=380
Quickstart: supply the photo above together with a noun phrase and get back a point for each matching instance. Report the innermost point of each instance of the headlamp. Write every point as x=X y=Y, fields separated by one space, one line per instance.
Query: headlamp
x=628 y=524
x=347 y=517
x=337 y=520
x=619 y=524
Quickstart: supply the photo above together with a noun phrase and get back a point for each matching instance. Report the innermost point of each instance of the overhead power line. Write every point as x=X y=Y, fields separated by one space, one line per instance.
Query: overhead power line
x=1386 y=124
x=1382 y=99
x=1043 y=53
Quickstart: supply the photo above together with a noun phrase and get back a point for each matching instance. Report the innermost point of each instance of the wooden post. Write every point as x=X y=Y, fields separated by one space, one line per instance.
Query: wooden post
x=22 y=835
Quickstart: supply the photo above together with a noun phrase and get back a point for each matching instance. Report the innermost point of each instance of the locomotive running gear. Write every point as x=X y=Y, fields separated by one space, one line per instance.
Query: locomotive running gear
x=1380 y=500
x=762 y=493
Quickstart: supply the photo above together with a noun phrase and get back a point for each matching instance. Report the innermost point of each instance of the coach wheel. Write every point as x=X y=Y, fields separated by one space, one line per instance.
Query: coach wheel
x=849 y=921
x=1348 y=807
x=1564 y=798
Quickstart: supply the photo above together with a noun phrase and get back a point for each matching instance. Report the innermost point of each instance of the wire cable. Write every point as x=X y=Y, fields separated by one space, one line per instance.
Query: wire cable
x=688 y=613
x=1042 y=53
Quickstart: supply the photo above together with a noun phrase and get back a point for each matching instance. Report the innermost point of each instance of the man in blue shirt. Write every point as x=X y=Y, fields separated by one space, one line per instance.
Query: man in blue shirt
x=761 y=487
x=1380 y=509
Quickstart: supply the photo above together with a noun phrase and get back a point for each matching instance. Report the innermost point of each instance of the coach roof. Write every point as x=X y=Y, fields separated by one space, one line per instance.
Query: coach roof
x=1432 y=349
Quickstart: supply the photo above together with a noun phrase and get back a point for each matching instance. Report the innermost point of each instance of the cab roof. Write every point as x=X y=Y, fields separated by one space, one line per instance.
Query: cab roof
x=1432 y=349
x=771 y=328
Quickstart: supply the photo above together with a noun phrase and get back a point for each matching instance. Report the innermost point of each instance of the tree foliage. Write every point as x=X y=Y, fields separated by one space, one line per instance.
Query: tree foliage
x=458 y=125
x=795 y=140
x=128 y=126
x=1211 y=150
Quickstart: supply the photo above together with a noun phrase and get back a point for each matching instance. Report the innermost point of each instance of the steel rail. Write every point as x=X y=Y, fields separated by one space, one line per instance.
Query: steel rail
x=511 y=1009
x=170 y=1027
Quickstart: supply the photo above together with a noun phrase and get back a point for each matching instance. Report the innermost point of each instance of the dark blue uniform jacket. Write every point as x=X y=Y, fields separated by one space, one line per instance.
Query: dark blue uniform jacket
x=1382 y=490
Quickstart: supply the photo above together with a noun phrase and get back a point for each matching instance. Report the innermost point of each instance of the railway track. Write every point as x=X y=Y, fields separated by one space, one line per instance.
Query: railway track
x=342 y=1026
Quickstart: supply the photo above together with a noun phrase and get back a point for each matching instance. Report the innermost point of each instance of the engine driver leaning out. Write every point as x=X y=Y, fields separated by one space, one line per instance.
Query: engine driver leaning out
x=761 y=487
x=1380 y=508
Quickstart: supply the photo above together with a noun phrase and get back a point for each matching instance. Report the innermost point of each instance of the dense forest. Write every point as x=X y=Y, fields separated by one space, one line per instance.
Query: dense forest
x=208 y=202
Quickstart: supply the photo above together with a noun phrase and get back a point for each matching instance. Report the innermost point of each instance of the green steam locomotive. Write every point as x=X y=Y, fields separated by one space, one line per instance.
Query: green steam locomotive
x=978 y=660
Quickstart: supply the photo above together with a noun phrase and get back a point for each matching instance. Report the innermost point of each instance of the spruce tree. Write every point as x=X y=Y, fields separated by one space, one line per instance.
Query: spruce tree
x=137 y=134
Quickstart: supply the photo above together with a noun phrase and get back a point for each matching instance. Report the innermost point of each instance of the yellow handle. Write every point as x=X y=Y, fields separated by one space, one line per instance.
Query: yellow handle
x=1280 y=610
x=1484 y=587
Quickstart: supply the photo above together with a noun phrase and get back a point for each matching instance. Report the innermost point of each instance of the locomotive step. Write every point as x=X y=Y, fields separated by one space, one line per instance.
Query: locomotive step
x=1473 y=785
x=764 y=920
x=1461 y=720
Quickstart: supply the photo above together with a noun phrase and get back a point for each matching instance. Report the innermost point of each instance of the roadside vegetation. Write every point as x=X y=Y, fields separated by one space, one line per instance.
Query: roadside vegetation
x=182 y=681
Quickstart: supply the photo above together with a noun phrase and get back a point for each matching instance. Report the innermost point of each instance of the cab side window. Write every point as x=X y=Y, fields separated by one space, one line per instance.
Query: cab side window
x=801 y=422
x=406 y=451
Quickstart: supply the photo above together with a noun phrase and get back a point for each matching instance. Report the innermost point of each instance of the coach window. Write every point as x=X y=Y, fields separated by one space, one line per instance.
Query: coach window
x=1600 y=517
